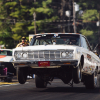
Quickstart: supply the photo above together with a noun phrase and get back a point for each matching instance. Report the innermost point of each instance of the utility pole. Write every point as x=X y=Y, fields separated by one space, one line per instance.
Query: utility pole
x=34 y=17
x=74 y=17
x=69 y=16
x=99 y=29
x=99 y=34
x=98 y=24
x=63 y=15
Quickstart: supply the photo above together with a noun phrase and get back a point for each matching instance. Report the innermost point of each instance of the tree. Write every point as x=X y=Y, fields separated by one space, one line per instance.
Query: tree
x=44 y=15
x=89 y=18
x=16 y=19
x=5 y=26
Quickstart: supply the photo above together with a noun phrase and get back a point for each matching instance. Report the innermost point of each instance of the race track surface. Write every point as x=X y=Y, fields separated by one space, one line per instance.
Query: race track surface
x=56 y=91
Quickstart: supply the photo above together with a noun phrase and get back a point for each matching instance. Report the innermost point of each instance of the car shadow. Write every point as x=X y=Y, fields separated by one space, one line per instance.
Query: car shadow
x=58 y=86
x=71 y=90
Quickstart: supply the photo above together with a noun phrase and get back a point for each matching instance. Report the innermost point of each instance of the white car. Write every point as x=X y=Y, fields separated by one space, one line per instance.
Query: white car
x=7 y=69
x=6 y=55
x=67 y=56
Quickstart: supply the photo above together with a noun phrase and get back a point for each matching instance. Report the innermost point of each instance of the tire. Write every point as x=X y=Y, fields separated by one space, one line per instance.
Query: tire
x=98 y=81
x=91 y=81
x=22 y=76
x=77 y=75
x=9 y=79
x=39 y=82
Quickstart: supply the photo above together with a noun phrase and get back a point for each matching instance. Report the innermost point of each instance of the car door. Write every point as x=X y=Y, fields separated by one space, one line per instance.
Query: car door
x=87 y=54
x=94 y=60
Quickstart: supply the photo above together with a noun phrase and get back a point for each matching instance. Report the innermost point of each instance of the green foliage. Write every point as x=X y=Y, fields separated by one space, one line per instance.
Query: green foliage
x=44 y=15
x=16 y=36
x=89 y=18
x=11 y=4
x=90 y=15
x=16 y=19
x=86 y=32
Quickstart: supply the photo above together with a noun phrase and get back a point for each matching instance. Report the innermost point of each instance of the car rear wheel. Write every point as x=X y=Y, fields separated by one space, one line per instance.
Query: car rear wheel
x=91 y=81
x=22 y=76
x=39 y=82
x=77 y=75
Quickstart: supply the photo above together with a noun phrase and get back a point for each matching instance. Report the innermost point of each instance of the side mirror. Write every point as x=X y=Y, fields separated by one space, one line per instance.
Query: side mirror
x=95 y=51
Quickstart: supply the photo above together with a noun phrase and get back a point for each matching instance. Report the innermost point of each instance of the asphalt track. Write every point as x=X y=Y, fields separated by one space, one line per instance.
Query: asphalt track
x=56 y=91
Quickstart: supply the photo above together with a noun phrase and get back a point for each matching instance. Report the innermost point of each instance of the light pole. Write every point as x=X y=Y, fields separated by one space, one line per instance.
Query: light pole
x=75 y=9
x=63 y=15
x=68 y=13
x=34 y=17
x=74 y=17
x=98 y=24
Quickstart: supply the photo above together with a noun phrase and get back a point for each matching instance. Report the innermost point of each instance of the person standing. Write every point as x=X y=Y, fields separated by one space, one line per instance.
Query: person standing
x=23 y=43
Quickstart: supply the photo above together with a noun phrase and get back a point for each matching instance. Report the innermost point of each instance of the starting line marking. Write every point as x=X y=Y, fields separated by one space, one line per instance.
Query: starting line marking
x=9 y=84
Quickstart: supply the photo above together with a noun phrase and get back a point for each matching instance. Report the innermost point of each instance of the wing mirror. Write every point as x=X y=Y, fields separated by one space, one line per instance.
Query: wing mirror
x=96 y=52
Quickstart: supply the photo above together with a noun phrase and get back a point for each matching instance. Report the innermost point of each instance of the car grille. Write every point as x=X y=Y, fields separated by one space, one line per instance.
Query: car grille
x=44 y=54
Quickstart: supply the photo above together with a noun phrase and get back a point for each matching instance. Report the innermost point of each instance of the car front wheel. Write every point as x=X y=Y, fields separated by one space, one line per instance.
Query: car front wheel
x=77 y=75
x=39 y=82
x=22 y=76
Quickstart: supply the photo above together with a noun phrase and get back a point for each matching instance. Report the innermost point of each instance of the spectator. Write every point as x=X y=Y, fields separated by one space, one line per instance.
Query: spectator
x=23 y=43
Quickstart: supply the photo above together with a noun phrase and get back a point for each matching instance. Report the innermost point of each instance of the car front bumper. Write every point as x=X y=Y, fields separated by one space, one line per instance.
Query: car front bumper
x=45 y=64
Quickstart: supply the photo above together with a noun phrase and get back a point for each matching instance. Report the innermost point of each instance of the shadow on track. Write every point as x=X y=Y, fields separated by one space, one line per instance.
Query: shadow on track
x=72 y=90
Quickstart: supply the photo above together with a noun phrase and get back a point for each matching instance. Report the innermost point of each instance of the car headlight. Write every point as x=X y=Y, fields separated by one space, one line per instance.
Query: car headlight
x=70 y=54
x=67 y=54
x=25 y=55
x=18 y=55
x=63 y=54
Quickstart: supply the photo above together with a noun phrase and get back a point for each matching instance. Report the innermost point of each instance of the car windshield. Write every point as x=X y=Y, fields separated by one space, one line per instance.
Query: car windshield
x=58 y=40
x=5 y=52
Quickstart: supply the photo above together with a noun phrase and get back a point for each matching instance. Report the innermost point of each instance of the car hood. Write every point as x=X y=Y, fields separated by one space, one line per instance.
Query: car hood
x=45 y=47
